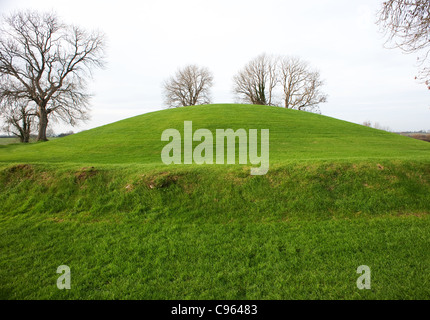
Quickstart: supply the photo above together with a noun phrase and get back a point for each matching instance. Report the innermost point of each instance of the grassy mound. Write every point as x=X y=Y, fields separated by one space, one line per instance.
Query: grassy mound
x=294 y=135
x=337 y=196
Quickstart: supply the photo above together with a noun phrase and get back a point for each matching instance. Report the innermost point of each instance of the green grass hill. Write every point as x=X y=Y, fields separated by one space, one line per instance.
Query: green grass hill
x=337 y=196
x=294 y=135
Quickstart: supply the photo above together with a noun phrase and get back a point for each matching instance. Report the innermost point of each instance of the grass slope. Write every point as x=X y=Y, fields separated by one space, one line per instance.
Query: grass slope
x=337 y=196
x=294 y=135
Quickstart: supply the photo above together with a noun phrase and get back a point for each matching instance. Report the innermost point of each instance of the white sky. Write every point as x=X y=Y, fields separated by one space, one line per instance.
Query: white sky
x=149 y=40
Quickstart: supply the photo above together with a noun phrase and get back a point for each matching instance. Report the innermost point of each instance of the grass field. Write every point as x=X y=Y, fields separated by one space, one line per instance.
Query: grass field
x=337 y=195
x=4 y=141
x=14 y=140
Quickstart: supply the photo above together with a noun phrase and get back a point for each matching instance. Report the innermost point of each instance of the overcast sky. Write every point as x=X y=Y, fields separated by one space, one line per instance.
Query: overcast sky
x=149 y=40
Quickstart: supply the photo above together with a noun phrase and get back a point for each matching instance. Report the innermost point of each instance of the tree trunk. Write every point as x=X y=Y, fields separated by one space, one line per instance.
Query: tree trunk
x=21 y=134
x=25 y=133
x=43 y=124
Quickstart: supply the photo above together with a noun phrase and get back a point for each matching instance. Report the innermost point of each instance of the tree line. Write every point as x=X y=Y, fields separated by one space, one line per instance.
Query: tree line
x=45 y=66
x=265 y=80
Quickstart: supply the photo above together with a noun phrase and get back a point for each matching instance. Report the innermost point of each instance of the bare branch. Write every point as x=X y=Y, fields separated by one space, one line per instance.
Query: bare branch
x=406 y=24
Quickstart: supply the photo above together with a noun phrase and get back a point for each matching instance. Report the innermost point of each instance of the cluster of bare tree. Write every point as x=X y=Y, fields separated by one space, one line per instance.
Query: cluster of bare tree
x=44 y=67
x=299 y=87
x=406 y=22
x=407 y=26
x=265 y=80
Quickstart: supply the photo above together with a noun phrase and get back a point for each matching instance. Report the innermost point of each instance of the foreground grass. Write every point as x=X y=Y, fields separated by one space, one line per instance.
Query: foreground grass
x=160 y=260
x=337 y=196
x=139 y=232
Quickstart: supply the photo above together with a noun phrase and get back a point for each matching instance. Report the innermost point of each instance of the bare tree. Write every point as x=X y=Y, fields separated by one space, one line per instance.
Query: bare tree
x=300 y=85
x=48 y=62
x=190 y=86
x=367 y=123
x=376 y=125
x=256 y=81
x=407 y=26
x=18 y=117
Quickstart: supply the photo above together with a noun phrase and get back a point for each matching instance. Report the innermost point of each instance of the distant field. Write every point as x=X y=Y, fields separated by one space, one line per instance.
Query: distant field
x=11 y=140
x=4 y=141
x=419 y=136
x=337 y=195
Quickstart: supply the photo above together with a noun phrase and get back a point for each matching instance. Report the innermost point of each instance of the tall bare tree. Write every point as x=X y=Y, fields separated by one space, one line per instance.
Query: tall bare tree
x=407 y=26
x=301 y=86
x=48 y=62
x=256 y=81
x=190 y=86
